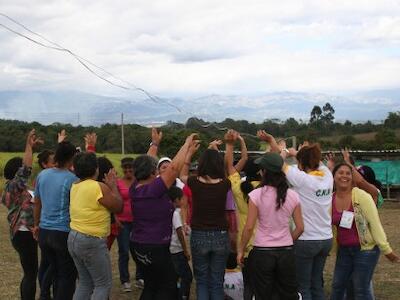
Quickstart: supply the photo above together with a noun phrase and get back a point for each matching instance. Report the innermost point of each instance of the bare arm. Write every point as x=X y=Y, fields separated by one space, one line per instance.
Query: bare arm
x=243 y=154
x=181 y=237
x=247 y=230
x=230 y=139
x=359 y=180
x=184 y=173
x=156 y=138
x=175 y=168
x=111 y=198
x=31 y=141
x=90 y=142
x=266 y=137
x=298 y=221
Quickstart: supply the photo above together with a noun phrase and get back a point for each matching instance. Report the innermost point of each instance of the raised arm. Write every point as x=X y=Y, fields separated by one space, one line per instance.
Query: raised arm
x=359 y=180
x=266 y=137
x=62 y=136
x=156 y=138
x=31 y=141
x=111 y=198
x=174 y=169
x=90 y=142
x=230 y=139
x=184 y=174
x=243 y=154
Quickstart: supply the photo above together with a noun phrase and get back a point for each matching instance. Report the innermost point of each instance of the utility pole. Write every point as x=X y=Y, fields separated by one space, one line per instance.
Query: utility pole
x=122 y=134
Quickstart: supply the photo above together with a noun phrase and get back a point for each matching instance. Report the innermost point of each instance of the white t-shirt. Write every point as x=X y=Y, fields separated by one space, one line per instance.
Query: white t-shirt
x=233 y=285
x=315 y=191
x=175 y=246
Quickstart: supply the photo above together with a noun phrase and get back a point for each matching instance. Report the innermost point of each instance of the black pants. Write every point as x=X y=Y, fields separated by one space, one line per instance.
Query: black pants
x=26 y=247
x=159 y=274
x=53 y=244
x=273 y=273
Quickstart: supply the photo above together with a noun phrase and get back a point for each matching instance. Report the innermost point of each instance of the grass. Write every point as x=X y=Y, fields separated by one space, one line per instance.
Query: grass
x=386 y=278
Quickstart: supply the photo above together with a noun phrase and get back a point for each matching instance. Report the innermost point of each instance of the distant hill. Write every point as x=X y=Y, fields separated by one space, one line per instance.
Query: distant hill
x=87 y=109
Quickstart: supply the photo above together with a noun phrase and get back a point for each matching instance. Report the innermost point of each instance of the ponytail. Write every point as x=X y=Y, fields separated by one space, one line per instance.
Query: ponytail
x=277 y=180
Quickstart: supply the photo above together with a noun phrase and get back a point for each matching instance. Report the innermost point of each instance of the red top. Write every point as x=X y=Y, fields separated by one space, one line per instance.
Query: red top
x=345 y=237
x=126 y=214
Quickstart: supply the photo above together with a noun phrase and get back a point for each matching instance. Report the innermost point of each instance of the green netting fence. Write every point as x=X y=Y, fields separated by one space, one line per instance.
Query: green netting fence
x=386 y=171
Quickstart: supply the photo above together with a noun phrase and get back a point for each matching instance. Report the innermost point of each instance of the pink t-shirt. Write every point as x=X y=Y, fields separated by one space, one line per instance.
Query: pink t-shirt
x=273 y=225
x=126 y=214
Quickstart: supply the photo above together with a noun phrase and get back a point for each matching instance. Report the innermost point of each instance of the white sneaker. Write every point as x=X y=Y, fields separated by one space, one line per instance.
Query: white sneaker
x=126 y=287
x=139 y=283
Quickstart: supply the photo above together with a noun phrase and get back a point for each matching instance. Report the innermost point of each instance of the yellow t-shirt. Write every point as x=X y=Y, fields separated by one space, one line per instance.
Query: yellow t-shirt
x=88 y=216
x=242 y=207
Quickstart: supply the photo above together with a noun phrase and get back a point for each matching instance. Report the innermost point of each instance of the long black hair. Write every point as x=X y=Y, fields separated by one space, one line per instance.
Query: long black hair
x=277 y=180
x=251 y=171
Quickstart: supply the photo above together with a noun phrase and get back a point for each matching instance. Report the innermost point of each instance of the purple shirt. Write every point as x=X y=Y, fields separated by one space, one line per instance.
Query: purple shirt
x=230 y=202
x=152 y=213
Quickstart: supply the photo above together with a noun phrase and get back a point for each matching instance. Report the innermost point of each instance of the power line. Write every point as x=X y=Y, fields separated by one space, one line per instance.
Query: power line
x=85 y=63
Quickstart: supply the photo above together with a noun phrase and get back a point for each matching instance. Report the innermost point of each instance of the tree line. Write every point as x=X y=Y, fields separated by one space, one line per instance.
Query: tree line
x=320 y=128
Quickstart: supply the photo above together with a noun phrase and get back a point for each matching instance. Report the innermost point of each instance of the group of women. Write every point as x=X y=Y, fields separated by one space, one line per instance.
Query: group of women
x=289 y=217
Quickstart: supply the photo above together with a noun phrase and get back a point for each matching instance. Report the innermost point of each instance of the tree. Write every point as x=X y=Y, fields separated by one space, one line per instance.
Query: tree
x=393 y=120
x=327 y=113
x=316 y=113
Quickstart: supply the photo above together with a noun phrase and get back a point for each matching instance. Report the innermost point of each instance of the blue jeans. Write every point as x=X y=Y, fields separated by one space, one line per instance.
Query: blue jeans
x=357 y=264
x=53 y=244
x=184 y=272
x=210 y=251
x=92 y=260
x=310 y=262
x=123 y=240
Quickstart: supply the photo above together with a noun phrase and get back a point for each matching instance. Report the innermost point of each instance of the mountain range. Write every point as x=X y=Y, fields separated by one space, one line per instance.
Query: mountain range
x=77 y=107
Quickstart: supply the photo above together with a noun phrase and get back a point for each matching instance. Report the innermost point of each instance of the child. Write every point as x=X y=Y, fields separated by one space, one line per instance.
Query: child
x=233 y=283
x=178 y=247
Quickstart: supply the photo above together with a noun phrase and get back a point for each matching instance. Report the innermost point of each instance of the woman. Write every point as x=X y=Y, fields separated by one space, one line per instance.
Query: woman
x=240 y=190
x=314 y=183
x=51 y=217
x=209 y=240
x=359 y=235
x=124 y=220
x=90 y=207
x=18 y=200
x=152 y=222
x=272 y=260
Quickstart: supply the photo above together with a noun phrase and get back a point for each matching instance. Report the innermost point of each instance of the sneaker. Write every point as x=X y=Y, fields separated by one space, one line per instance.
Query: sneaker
x=139 y=283
x=126 y=287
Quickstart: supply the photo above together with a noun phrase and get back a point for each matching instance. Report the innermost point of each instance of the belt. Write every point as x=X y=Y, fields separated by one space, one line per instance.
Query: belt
x=273 y=248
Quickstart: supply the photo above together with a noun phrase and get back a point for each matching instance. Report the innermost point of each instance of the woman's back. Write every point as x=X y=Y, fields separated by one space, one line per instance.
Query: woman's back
x=273 y=224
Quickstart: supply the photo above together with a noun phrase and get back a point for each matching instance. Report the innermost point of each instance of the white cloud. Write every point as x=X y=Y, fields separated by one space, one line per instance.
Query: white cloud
x=202 y=47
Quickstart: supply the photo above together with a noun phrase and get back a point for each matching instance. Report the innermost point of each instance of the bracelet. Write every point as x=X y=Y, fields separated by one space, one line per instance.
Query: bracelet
x=153 y=144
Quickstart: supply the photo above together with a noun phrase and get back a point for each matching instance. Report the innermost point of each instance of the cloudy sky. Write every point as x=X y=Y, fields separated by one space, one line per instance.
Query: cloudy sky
x=205 y=47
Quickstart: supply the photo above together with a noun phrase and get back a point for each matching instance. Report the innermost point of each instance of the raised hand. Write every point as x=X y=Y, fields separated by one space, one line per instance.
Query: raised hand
x=264 y=136
x=346 y=155
x=156 y=136
x=32 y=140
x=90 y=141
x=194 y=146
x=110 y=178
x=330 y=161
x=62 y=136
x=214 y=144
x=231 y=136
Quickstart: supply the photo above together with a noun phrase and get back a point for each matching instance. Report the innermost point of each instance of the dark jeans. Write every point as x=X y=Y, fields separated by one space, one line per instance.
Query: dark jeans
x=310 y=262
x=159 y=273
x=358 y=265
x=273 y=271
x=184 y=272
x=210 y=251
x=46 y=278
x=26 y=247
x=123 y=240
x=53 y=244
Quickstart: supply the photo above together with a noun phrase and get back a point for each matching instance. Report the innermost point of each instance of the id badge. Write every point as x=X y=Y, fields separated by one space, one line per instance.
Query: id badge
x=347 y=219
